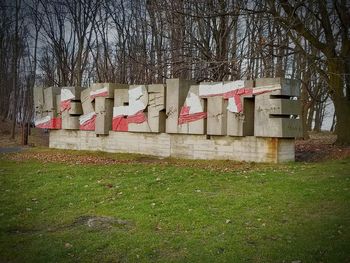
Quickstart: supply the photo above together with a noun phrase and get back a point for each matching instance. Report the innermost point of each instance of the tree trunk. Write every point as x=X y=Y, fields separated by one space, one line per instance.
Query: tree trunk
x=304 y=96
x=333 y=123
x=304 y=111
x=341 y=103
x=317 y=126
x=25 y=133
x=14 y=71
x=310 y=117
x=342 y=111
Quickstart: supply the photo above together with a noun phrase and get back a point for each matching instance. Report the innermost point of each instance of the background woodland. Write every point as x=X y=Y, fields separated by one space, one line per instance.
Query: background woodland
x=65 y=42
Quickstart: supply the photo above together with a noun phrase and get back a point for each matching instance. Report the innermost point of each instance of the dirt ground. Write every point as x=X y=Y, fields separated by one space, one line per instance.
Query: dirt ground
x=319 y=147
x=38 y=137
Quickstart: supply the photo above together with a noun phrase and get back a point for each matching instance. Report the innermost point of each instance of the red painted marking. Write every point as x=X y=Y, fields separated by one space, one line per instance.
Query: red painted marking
x=139 y=117
x=262 y=92
x=89 y=125
x=239 y=92
x=185 y=110
x=186 y=117
x=57 y=123
x=65 y=105
x=236 y=95
x=120 y=123
x=53 y=124
x=102 y=94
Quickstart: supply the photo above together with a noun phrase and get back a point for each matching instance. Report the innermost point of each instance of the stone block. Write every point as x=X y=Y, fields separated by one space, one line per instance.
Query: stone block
x=156 y=107
x=86 y=101
x=249 y=83
x=69 y=122
x=217 y=116
x=130 y=109
x=196 y=105
x=156 y=88
x=157 y=121
x=139 y=127
x=38 y=96
x=52 y=114
x=182 y=146
x=121 y=97
x=209 y=89
x=104 y=115
x=176 y=93
x=105 y=90
x=142 y=98
x=48 y=120
x=58 y=103
x=280 y=106
x=85 y=94
x=288 y=87
x=87 y=123
x=88 y=106
x=50 y=98
x=242 y=124
x=233 y=116
x=76 y=108
x=235 y=123
x=70 y=93
x=276 y=117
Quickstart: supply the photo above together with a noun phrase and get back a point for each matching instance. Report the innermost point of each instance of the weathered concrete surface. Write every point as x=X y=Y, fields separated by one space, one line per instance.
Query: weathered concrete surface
x=86 y=102
x=197 y=126
x=176 y=93
x=75 y=90
x=38 y=95
x=276 y=117
x=139 y=127
x=217 y=116
x=181 y=146
x=121 y=97
x=46 y=102
x=50 y=100
x=277 y=113
x=69 y=122
x=58 y=103
x=104 y=115
x=290 y=87
x=156 y=107
x=242 y=124
x=107 y=87
x=76 y=108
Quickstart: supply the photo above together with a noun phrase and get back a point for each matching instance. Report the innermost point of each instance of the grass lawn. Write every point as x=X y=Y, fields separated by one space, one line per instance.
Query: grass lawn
x=173 y=211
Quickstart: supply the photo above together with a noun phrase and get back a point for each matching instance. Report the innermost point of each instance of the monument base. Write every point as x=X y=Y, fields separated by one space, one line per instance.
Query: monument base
x=248 y=148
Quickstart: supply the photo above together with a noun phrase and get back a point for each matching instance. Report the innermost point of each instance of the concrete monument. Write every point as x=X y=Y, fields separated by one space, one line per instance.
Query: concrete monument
x=238 y=120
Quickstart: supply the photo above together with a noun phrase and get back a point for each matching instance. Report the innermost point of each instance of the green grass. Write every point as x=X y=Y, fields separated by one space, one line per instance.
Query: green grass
x=262 y=213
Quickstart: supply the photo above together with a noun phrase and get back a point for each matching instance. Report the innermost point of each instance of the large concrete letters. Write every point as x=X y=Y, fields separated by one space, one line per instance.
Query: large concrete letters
x=262 y=108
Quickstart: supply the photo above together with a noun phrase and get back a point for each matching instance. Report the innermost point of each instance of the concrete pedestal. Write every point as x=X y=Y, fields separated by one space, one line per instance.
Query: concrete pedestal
x=250 y=148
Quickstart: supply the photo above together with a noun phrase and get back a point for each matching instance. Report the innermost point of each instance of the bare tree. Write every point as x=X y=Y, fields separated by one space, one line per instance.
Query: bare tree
x=333 y=19
x=147 y=41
